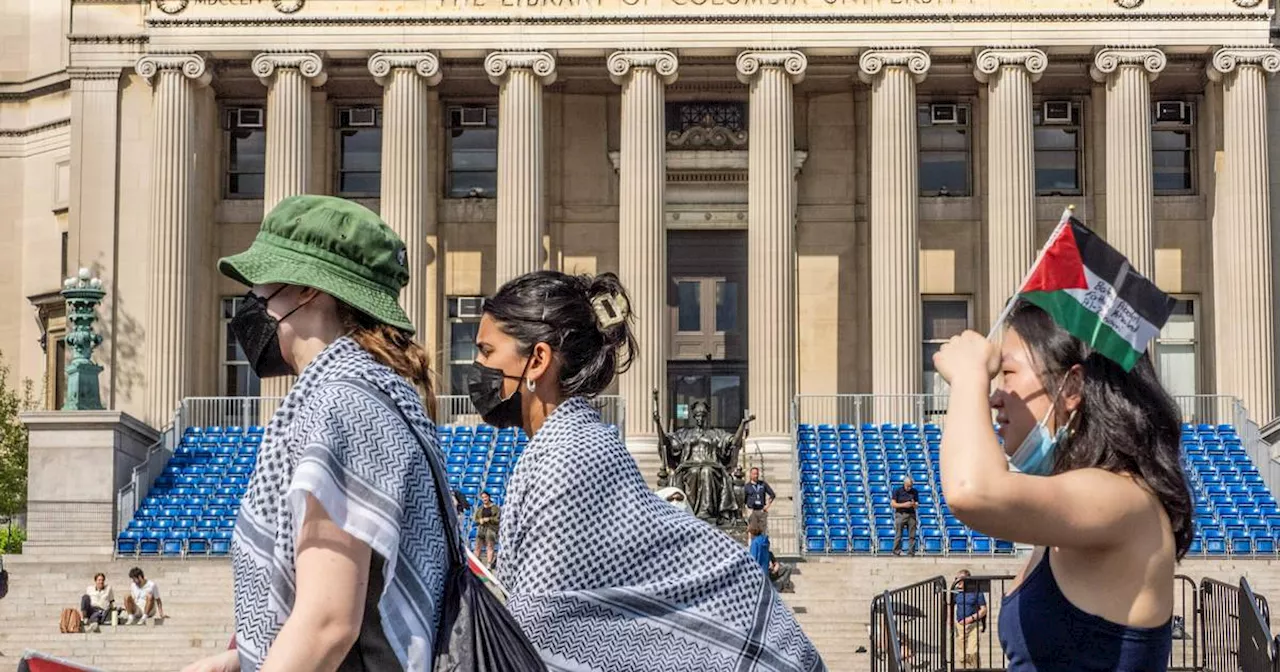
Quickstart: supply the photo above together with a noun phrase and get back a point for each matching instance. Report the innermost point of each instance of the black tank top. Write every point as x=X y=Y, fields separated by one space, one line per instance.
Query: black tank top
x=372 y=652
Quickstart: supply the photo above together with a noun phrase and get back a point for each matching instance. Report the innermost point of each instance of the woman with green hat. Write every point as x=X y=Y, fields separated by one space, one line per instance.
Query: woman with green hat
x=339 y=553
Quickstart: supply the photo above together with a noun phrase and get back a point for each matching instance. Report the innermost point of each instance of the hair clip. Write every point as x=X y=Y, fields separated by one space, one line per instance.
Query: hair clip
x=611 y=309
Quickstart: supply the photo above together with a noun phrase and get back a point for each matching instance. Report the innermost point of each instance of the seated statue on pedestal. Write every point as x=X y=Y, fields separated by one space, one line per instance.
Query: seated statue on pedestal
x=702 y=461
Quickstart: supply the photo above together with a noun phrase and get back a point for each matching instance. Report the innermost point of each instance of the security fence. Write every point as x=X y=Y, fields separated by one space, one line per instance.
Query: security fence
x=1217 y=627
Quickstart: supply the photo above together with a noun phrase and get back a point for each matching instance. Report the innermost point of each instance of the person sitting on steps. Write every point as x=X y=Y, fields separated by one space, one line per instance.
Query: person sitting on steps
x=143 y=602
x=96 y=603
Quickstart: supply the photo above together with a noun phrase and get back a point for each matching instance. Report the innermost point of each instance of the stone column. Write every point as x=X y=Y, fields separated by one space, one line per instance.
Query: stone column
x=1242 y=272
x=173 y=229
x=1011 y=171
x=893 y=74
x=94 y=202
x=1127 y=74
x=642 y=230
x=771 y=236
x=520 y=77
x=289 y=78
x=406 y=151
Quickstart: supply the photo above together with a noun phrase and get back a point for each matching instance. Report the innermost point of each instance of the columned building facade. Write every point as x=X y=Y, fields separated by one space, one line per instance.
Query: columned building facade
x=801 y=197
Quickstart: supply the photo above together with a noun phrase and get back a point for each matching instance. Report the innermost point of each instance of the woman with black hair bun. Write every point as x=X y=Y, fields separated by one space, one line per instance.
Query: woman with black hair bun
x=601 y=573
x=1098 y=489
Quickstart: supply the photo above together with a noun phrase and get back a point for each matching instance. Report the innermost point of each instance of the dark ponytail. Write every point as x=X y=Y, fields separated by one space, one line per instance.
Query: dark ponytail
x=586 y=320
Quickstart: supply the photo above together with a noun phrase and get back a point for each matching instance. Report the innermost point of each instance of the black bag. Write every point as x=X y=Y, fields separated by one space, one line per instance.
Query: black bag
x=477 y=633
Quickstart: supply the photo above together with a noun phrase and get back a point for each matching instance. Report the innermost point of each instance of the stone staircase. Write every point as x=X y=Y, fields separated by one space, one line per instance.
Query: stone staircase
x=197 y=598
x=833 y=594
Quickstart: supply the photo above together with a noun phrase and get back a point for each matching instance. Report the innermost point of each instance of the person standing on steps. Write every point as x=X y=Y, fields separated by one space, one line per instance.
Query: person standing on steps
x=759 y=497
x=487 y=521
x=905 y=501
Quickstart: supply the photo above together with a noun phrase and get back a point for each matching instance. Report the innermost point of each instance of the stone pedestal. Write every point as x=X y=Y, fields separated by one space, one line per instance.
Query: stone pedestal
x=78 y=461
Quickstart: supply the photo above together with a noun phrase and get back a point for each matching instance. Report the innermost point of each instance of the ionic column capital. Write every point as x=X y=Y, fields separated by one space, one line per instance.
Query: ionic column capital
x=425 y=63
x=873 y=61
x=794 y=63
x=622 y=63
x=499 y=63
x=1228 y=59
x=1107 y=61
x=988 y=62
x=192 y=66
x=307 y=63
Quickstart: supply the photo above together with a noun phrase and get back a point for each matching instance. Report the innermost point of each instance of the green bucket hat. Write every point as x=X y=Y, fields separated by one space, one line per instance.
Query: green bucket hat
x=334 y=245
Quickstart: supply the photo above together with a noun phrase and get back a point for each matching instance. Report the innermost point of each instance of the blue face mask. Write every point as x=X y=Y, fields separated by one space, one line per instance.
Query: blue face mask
x=1035 y=455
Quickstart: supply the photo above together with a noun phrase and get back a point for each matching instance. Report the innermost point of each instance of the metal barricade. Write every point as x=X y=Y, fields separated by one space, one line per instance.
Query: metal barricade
x=975 y=645
x=1185 y=656
x=1256 y=654
x=908 y=627
x=226 y=412
x=1221 y=624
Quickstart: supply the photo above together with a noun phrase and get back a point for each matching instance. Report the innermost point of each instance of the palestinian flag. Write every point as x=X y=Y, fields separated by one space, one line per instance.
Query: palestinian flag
x=1090 y=290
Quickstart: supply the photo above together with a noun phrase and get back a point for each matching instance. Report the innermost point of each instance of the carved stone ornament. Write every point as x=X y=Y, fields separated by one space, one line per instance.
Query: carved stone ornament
x=707 y=135
x=308 y=64
x=172 y=6
x=1227 y=60
x=177 y=6
x=1108 y=61
x=1248 y=4
x=621 y=64
x=794 y=63
x=1129 y=4
x=426 y=64
x=874 y=61
x=990 y=61
x=192 y=66
x=499 y=63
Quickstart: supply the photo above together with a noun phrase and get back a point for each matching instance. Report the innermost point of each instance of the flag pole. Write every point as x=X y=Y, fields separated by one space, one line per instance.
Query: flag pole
x=1013 y=298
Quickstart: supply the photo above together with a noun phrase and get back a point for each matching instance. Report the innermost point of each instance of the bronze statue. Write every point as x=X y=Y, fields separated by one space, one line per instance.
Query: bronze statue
x=702 y=461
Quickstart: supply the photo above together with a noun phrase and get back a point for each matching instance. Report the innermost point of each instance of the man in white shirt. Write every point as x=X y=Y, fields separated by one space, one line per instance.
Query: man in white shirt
x=143 y=601
x=95 y=604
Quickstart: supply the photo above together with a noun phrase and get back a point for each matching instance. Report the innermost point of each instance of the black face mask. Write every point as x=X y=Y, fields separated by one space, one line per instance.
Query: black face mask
x=484 y=386
x=257 y=332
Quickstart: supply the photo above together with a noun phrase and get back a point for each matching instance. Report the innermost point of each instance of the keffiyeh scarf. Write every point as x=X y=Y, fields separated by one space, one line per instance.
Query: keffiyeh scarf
x=606 y=577
x=346 y=446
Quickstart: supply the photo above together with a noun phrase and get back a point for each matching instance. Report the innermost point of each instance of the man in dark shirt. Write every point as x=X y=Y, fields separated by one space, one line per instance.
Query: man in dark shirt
x=970 y=610
x=904 y=503
x=759 y=497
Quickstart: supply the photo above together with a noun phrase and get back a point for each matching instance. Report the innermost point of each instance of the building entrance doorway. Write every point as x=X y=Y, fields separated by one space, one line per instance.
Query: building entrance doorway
x=707 y=299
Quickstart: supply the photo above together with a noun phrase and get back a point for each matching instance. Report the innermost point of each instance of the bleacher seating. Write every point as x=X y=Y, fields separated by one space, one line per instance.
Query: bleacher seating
x=848 y=473
x=192 y=506
x=1235 y=512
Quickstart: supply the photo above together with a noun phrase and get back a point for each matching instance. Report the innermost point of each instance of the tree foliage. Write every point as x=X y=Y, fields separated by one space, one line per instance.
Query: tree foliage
x=13 y=444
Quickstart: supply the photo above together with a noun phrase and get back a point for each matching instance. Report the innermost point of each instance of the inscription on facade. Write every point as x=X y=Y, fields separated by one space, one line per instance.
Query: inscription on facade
x=177 y=6
x=949 y=8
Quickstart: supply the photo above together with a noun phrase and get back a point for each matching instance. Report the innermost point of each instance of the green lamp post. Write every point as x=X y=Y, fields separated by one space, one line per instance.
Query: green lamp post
x=83 y=294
